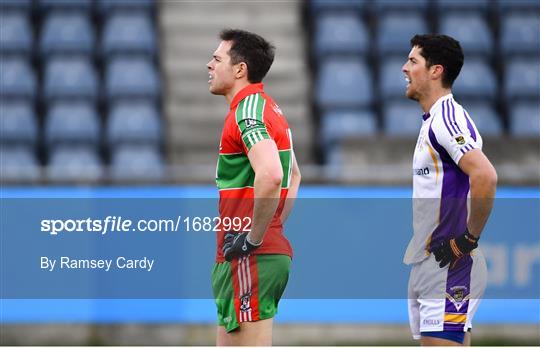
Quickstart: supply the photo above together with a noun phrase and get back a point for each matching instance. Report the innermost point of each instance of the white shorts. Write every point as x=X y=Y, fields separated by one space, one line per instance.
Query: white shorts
x=446 y=300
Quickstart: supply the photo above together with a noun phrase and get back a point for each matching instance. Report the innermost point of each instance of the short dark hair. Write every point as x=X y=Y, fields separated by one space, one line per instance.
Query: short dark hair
x=441 y=50
x=252 y=49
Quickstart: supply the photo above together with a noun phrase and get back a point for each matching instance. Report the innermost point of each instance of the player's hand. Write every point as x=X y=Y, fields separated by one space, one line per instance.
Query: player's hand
x=236 y=245
x=453 y=249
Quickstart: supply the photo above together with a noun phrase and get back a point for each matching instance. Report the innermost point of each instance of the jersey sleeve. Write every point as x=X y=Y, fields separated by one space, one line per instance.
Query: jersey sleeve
x=454 y=131
x=250 y=121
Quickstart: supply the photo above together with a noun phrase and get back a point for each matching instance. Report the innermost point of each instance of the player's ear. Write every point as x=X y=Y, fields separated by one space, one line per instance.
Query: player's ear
x=241 y=70
x=437 y=71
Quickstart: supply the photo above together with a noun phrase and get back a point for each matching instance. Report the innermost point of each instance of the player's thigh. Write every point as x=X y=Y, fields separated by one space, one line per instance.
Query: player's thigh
x=254 y=333
x=467 y=340
x=222 y=337
x=257 y=333
x=434 y=341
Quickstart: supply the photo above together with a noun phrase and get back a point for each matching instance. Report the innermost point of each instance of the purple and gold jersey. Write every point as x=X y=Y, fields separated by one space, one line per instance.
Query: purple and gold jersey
x=440 y=187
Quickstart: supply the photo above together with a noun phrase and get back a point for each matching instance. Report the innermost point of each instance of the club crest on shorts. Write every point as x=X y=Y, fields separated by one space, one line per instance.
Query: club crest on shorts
x=245 y=305
x=458 y=296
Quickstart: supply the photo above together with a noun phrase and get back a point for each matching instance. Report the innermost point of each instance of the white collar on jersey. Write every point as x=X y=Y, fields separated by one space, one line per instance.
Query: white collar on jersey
x=439 y=101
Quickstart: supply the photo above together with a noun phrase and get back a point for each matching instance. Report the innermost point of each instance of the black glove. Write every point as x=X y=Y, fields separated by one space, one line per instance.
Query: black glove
x=236 y=245
x=453 y=249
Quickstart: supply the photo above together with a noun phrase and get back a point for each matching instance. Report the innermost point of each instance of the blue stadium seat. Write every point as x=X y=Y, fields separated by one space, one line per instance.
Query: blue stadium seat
x=462 y=5
x=522 y=78
x=137 y=163
x=392 y=79
x=72 y=122
x=67 y=33
x=525 y=119
x=344 y=83
x=18 y=5
x=15 y=33
x=129 y=33
x=520 y=5
x=106 y=6
x=337 y=125
x=392 y=5
x=18 y=164
x=17 y=79
x=134 y=122
x=520 y=33
x=18 y=123
x=476 y=80
x=334 y=162
x=485 y=117
x=338 y=5
x=396 y=30
x=74 y=164
x=402 y=118
x=131 y=78
x=79 y=5
x=69 y=77
x=340 y=34
x=470 y=29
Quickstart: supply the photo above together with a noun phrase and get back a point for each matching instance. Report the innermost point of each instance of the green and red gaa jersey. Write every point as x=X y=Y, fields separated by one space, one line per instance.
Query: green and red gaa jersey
x=253 y=116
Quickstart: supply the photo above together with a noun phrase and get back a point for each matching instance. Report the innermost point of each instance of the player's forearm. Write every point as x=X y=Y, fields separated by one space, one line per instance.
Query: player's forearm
x=267 y=188
x=291 y=196
x=483 y=187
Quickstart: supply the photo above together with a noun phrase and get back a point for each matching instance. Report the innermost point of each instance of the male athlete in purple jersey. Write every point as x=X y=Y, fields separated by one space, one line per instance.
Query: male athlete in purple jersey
x=448 y=276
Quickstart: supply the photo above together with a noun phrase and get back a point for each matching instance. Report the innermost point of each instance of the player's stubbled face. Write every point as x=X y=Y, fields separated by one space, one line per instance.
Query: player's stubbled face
x=220 y=70
x=416 y=74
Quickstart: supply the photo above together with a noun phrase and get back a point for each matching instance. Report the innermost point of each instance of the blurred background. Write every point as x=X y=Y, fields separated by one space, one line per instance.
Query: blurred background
x=103 y=94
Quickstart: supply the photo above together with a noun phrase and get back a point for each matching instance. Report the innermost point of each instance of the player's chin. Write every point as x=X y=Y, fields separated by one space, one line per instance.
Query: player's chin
x=409 y=93
x=214 y=90
x=408 y=90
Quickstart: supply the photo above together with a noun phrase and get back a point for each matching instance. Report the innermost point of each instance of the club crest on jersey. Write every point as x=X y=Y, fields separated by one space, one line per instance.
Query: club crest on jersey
x=460 y=139
x=250 y=122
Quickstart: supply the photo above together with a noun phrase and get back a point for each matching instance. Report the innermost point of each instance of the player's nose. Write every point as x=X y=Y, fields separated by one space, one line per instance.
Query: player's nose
x=404 y=68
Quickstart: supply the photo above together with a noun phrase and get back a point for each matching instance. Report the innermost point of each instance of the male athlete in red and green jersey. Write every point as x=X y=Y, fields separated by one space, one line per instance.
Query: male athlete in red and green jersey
x=258 y=179
x=253 y=117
